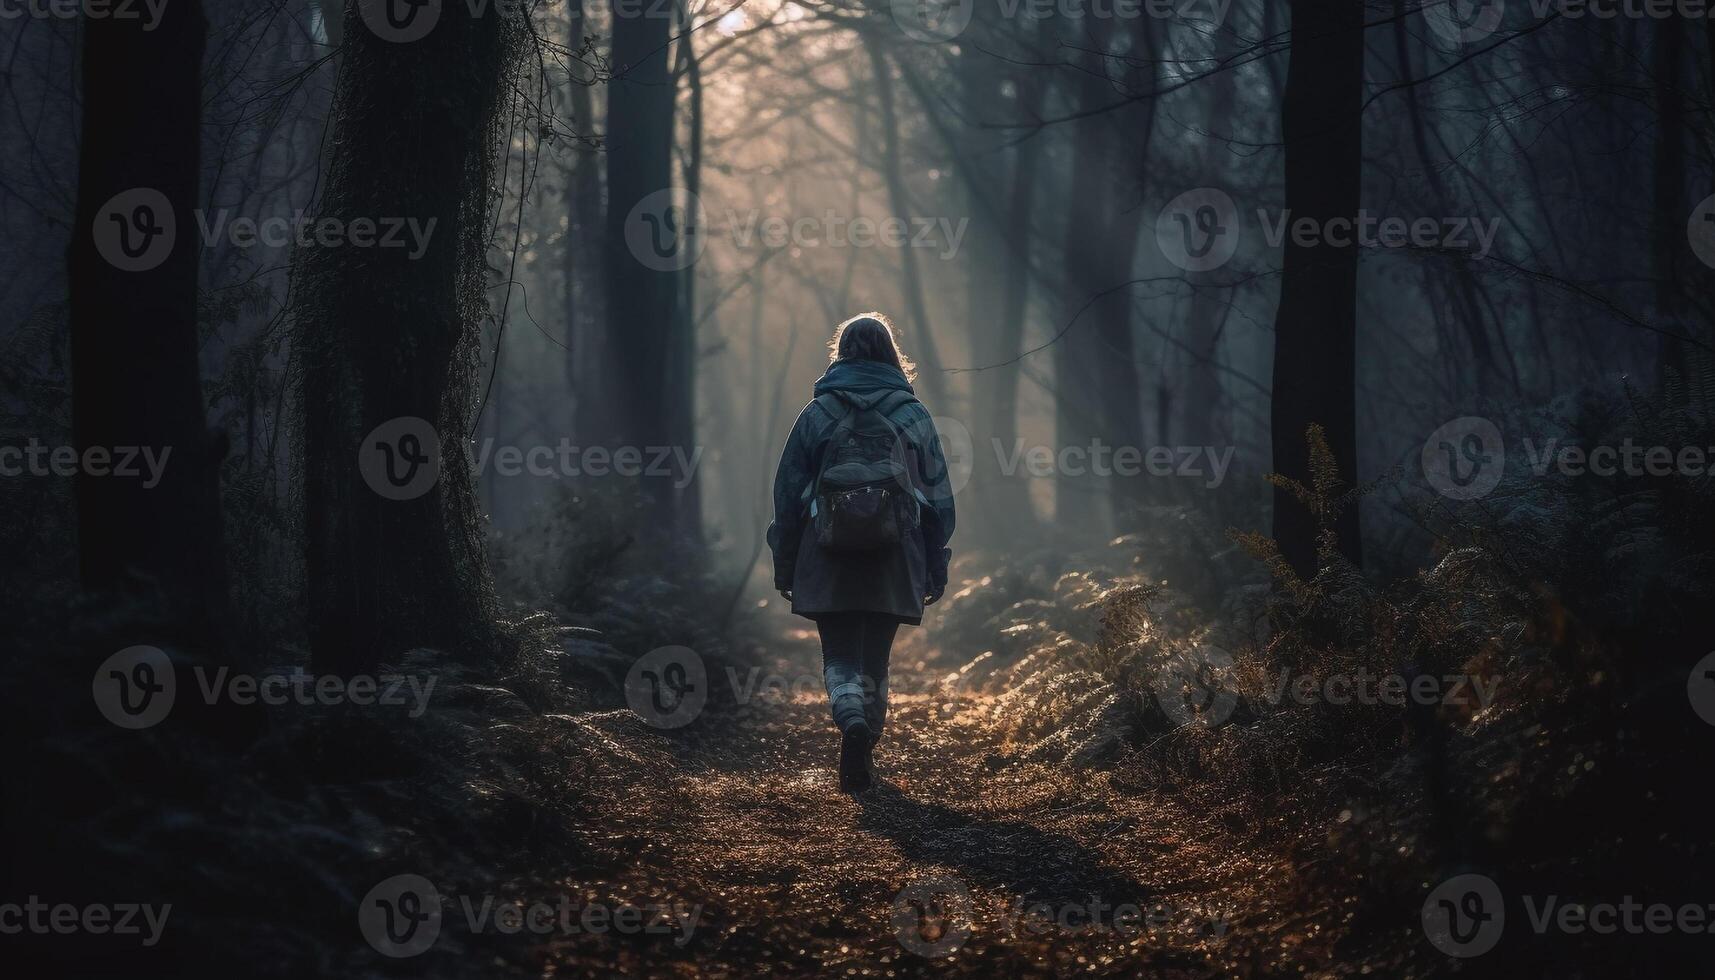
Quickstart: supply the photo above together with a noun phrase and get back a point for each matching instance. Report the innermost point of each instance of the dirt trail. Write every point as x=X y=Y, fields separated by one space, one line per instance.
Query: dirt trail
x=961 y=860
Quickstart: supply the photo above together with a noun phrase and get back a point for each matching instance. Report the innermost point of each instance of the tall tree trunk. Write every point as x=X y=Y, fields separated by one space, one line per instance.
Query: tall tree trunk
x=1204 y=418
x=385 y=336
x=1075 y=414
x=930 y=378
x=691 y=502
x=132 y=271
x=1009 y=494
x=1459 y=286
x=1670 y=206
x=1315 y=330
x=1115 y=363
x=985 y=255
x=651 y=352
x=1095 y=362
x=582 y=256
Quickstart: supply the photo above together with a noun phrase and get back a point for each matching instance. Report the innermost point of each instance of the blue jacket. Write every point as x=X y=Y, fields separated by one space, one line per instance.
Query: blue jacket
x=892 y=581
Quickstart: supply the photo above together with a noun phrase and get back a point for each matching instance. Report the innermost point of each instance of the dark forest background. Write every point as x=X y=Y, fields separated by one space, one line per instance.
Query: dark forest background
x=613 y=194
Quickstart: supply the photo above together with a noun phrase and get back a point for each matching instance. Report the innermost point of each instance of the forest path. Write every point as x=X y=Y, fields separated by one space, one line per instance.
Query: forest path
x=960 y=860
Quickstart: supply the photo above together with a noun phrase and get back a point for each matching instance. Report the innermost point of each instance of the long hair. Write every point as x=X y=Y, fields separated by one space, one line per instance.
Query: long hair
x=870 y=337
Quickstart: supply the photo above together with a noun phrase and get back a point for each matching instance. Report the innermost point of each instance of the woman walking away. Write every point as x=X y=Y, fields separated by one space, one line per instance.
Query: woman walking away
x=862 y=514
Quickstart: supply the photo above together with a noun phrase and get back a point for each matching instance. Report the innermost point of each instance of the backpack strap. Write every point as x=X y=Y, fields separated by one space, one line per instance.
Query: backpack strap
x=841 y=411
x=836 y=407
x=894 y=401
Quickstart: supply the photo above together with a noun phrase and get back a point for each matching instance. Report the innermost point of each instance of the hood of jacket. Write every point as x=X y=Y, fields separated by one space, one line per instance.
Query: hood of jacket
x=867 y=380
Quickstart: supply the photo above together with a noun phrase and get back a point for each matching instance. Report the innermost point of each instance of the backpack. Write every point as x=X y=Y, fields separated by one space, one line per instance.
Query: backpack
x=862 y=499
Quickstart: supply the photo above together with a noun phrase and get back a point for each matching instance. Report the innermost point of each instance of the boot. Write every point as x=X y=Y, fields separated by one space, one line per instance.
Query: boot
x=855 y=745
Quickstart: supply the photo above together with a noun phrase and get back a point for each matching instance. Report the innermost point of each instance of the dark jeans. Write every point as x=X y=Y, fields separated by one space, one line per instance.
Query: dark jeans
x=855 y=650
